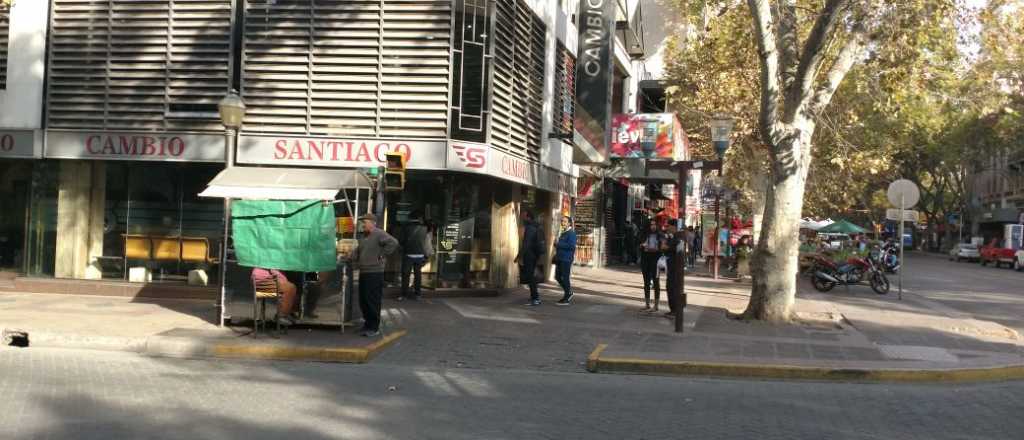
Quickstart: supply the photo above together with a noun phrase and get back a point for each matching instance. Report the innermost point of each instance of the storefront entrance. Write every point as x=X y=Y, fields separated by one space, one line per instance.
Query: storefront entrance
x=15 y=183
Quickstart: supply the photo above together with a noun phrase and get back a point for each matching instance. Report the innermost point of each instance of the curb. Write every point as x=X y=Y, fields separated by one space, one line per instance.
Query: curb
x=167 y=346
x=598 y=364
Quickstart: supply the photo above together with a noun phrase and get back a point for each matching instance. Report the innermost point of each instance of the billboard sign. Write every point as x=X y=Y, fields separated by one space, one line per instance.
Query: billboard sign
x=594 y=79
x=648 y=136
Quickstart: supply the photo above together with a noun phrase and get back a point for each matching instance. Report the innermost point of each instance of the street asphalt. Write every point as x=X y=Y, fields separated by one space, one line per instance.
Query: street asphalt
x=77 y=394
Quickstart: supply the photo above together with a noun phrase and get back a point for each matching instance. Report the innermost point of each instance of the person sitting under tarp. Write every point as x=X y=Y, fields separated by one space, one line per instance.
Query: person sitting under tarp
x=289 y=292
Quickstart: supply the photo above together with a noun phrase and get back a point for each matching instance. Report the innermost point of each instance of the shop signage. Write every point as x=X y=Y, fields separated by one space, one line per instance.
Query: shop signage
x=17 y=143
x=148 y=146
x=337 y=152
x=594 y=76
x=468 y=156
x=648 y=136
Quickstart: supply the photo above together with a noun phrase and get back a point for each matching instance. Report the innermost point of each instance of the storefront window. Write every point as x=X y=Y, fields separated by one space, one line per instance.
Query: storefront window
x=15 y=181
x=41 y=243
x=153 y=225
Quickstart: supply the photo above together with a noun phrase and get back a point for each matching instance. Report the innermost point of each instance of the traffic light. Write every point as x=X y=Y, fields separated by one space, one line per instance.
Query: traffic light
x=394 y=172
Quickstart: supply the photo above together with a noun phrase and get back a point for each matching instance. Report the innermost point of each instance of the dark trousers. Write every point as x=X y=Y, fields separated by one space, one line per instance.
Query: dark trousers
x=649 y=267
x=528 y=272
x=563 y=272
x=371 y=290
x=412 y=266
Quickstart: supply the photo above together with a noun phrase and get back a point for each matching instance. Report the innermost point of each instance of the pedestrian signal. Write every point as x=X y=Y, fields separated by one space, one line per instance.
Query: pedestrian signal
x=394 y=173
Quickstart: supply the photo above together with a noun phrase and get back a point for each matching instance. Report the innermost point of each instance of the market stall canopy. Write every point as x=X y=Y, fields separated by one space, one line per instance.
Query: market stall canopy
x=814 y=225
x=257 y=183
x=842 y=227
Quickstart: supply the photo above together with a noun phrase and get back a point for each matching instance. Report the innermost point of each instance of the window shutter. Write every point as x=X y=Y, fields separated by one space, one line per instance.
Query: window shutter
x=150 y=65
x=565 y=91
x=518 y=89
x=5 y=29
x=368 y=68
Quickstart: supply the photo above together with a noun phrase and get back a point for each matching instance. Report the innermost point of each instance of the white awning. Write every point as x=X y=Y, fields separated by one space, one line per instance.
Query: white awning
x=255 y=183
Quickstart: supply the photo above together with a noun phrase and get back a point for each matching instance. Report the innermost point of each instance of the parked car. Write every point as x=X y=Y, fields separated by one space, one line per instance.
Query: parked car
x=1018 y=261
x=993 y=253
x=964 y=251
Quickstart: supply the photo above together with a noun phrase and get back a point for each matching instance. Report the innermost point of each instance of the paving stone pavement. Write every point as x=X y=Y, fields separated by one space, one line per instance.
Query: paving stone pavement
x=72 y=394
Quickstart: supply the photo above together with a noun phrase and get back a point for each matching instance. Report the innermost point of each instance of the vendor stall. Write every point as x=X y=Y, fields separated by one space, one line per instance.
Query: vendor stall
x=297 y=221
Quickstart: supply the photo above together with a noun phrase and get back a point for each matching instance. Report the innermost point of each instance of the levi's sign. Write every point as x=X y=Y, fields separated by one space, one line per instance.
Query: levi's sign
x=338 y=152
x=155 y=146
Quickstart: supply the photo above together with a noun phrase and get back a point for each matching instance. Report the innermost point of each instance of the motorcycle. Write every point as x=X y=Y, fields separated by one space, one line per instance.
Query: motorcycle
x=828 y=274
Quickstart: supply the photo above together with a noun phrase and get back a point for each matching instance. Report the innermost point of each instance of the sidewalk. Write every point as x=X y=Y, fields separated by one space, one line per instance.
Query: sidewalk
x=853 y=335
x=174 y=328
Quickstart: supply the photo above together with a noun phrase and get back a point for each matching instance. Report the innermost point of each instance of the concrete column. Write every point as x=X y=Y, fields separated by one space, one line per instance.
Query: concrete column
x=505 y=236
x=81 y=196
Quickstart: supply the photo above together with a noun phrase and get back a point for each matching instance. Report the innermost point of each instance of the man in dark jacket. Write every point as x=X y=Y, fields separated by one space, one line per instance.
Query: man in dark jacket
x=565 y=253
x=530 y=250
x=414 y=256
x=369 y=259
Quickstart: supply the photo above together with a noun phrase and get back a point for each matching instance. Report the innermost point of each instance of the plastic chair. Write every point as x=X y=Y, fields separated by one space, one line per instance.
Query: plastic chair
x=264 y=290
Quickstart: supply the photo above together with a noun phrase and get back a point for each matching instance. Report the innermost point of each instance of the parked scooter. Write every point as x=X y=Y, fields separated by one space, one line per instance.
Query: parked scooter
x=889 y=258
x=828 y=274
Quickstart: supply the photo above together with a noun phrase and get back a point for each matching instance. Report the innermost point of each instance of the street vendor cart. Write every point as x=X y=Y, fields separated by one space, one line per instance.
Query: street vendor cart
x=298 y=221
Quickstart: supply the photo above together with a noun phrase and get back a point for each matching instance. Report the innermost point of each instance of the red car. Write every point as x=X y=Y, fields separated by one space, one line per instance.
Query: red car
x=992 y=253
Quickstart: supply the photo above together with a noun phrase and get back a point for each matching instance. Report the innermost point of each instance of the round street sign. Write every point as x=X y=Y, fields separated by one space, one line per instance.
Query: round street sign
x=905 y=190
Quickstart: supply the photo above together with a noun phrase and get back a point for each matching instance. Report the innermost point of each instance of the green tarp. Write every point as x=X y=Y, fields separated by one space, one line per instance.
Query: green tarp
x=285 y=235
x=842 y=227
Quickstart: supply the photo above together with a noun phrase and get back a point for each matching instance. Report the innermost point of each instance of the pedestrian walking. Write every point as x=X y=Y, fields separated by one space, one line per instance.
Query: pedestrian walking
x=675 y=250
x=531 y=247
x=565 y=253
x=650 y=251
x=416 y=249
x=688 y=238
x=630 y=246
x=369 y=257
x=695 y=250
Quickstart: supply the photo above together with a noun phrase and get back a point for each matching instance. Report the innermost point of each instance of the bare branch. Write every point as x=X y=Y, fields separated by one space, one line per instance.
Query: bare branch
x=815 y=103
x=813 y=54
x=768 y=56
x=788 y=41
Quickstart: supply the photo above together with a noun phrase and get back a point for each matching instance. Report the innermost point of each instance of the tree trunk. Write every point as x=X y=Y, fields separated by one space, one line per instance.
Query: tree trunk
x=775 y=261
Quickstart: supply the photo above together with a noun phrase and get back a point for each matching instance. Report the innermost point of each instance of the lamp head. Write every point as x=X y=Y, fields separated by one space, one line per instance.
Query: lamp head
x=232 y=110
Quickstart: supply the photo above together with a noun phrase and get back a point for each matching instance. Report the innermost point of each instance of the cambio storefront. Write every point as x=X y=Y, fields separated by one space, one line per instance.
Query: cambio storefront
x=105 y=203
x=460 y=189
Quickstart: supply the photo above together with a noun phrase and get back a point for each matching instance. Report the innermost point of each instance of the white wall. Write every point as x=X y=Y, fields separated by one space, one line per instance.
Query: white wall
x=21 y=104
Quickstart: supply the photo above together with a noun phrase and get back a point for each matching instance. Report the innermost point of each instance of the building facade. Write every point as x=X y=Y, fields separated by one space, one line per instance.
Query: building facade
x=111 y=109
x=997 y=196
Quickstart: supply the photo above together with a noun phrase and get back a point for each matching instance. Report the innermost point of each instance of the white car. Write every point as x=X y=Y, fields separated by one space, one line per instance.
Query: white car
x=964 y=251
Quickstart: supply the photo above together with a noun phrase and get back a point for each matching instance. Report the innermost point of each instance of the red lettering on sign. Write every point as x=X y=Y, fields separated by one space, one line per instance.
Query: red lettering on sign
x=120 y=145
x=280 y=149
x=406 y=151
x=364 y=153
x=6 y=142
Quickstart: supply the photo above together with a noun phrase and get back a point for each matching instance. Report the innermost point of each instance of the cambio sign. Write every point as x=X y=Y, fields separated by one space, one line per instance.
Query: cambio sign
x=17 y=144
x=594 y=76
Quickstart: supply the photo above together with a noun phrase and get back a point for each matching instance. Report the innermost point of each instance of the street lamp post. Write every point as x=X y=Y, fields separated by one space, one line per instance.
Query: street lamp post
x=721 y=132
x=232 y=111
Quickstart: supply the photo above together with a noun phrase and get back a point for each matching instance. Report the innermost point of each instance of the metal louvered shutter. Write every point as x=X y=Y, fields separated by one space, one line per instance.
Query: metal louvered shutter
x=138 y=64
x=518 y=89
x=565 y=91
x=373 y=68
x=5 y=29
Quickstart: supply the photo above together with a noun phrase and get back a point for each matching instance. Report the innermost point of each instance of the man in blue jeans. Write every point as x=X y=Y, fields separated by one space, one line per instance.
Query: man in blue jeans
x=565 y=253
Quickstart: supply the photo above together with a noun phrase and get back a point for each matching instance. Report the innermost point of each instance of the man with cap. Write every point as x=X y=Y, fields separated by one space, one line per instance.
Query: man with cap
x=369 y=258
